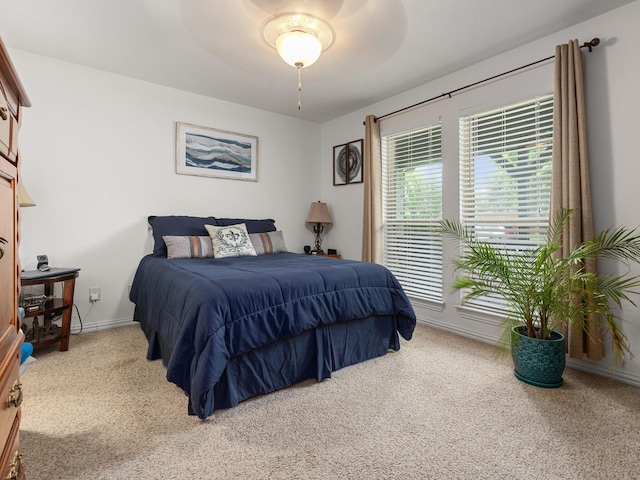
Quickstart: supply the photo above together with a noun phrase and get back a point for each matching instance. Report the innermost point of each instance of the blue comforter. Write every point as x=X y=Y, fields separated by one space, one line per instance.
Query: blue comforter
x=211 y=310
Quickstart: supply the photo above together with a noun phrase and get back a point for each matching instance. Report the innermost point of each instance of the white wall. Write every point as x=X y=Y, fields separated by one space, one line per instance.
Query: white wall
x=614 y=115
x=98 y=157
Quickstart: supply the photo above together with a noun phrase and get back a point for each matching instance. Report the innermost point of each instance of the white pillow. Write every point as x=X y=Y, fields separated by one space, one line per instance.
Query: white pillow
x=230 y=241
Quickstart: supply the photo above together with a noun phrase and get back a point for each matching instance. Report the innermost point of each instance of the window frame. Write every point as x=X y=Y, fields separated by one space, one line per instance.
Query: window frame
x=421 y=243
x=520 y=231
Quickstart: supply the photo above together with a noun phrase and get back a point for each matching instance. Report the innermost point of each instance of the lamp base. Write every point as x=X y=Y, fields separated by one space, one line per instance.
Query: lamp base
x=317 y=229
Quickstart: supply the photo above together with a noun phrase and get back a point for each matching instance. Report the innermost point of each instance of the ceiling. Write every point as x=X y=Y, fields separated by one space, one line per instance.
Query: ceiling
x=216 y=47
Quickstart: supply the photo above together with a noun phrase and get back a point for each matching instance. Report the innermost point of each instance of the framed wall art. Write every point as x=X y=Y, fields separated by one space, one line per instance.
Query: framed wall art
x=347 y=163
x=209 y=152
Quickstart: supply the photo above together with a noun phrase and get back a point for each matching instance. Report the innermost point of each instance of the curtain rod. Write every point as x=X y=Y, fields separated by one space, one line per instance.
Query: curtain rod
x=593 y=43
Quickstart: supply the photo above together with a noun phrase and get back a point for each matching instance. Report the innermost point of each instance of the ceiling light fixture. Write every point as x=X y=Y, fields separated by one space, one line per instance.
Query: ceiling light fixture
x=299 y=39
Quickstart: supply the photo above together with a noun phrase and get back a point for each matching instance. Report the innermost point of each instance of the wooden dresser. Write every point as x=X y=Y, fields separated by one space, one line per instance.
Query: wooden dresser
x=12 y=99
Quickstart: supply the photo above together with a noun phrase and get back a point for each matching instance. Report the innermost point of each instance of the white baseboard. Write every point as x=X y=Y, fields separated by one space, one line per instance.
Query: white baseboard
x=458 y=331
x=581 y=365
x=103 y=325
x=602 y=371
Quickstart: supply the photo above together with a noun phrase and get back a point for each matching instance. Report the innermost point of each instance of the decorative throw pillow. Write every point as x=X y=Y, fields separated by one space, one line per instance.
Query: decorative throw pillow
x=268 y=242
x=230 y=241
x=176 y=225
x=188 y=246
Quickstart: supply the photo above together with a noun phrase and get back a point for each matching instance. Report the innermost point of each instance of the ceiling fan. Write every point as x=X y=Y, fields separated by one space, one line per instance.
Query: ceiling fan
x=351 y=32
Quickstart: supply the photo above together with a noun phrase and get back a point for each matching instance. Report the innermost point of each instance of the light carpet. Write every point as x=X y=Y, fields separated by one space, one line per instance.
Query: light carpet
x=443 y=407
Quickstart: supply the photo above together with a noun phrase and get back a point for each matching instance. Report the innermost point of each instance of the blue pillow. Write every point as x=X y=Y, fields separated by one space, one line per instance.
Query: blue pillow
x=253 y=226
x=176 y=225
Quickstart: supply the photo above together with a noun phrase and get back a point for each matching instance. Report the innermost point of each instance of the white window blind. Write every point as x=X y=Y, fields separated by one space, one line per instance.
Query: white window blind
x=505 y=177
x=412 y=207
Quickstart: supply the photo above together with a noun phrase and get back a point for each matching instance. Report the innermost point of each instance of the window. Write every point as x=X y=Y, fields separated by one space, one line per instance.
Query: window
x=412 y=208
x=505 y=177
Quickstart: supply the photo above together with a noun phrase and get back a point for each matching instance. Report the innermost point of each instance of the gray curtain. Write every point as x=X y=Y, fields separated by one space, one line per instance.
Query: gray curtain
x=372 y=214
x=570 y=185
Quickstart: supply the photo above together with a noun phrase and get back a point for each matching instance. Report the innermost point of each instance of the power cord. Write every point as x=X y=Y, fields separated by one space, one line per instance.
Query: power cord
x=80 y=319
x=57 y=316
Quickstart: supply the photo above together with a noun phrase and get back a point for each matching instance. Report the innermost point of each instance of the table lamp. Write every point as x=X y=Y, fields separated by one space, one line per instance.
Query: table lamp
x=318 y=215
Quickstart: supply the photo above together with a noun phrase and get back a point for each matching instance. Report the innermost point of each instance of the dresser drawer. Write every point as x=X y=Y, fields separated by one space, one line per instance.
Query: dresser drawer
x=11 y=462
x=5 y=128
x=10 y=387
x=9 y=121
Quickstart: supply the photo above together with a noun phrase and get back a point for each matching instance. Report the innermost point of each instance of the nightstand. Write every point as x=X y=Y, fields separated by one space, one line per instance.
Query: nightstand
x=49 y=307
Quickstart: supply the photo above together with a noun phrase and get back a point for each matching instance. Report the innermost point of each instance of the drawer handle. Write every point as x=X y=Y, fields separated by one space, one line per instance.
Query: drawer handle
x=3 y=113
x=15 y=400
x=15 y=469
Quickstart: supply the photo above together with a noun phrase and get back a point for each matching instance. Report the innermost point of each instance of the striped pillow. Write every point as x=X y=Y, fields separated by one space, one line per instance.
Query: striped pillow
x=188 y=246
x=268 y=242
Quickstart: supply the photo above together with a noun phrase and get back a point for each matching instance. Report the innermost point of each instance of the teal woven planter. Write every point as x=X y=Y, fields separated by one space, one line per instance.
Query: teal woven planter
x=538 y=362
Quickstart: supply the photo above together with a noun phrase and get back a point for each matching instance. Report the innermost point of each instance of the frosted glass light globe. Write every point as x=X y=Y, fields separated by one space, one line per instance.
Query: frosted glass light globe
x=299 y=49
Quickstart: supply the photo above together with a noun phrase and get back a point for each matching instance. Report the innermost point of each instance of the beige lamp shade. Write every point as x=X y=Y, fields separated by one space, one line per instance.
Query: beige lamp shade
x=24 y=199
x=319 y=213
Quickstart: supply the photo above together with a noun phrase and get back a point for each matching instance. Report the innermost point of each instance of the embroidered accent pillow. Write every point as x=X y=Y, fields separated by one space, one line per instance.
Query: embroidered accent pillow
x=230 y=241
x=268 y=242
x=188 y=246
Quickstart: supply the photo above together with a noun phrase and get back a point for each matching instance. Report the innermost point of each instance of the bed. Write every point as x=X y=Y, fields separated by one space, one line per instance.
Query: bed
x=228 y=328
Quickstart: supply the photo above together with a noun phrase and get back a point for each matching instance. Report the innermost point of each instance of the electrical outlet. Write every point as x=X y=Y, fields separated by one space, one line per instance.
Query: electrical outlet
x=94 y=294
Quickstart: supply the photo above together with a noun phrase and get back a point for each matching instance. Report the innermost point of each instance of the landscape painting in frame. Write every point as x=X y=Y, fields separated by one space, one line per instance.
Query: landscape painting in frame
x=209 y=152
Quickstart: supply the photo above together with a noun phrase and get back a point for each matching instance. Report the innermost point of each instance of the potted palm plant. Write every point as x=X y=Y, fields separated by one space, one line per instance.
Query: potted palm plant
x=547 y=293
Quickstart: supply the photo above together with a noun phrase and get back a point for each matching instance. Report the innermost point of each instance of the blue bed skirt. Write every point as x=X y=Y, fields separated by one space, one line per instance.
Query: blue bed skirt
x=311 y=354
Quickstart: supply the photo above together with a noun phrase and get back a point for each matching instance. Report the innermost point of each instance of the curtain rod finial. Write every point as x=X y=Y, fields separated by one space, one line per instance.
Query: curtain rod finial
x=593 y=43
x=375 y=120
